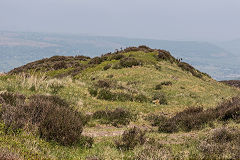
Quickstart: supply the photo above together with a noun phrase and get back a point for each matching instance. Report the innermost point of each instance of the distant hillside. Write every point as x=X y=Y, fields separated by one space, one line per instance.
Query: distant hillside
x=17 y=49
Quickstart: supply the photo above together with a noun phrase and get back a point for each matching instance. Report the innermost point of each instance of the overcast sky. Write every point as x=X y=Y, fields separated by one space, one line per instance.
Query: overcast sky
x=158 y=19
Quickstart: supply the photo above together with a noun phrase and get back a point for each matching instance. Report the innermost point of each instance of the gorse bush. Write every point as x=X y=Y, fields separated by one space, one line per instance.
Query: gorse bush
x=119 y=116
x=131 y=138
x=49 y=116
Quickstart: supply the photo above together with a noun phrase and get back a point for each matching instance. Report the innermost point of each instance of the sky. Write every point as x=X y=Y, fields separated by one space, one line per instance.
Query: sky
x=206 y=20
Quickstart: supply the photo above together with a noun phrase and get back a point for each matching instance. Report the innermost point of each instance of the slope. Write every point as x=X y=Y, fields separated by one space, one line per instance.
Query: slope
x=138 y=80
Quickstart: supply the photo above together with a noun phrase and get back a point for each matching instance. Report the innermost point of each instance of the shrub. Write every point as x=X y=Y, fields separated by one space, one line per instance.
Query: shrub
x=156 y=120
x=189 y=68
x=158 y=67
x=160 y=98
x=140 y=48
x=2 y=100
x=117 y=56
x=60 y=65
x=131 y=138
x=158 y=87
x=5 y=154
x=165 y=55
x=106 y=95
x=93 y=91
x=62 y=125
x=224 y=135
x=55 y=87
x=189 y=119
x=117 y=66
x=110 y=76
x=107 y=67
x=49 y=116
x=221 y=143
x=166 y=83
x=155 y=151
x=129 y=62
x=119 y=116
x=12 y=99
x=141 y=98
x=95 y=60
x=103 y=83
x=86 y=141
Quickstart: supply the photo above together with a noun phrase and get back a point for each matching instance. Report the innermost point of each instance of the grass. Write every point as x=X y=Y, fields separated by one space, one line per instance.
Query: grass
x=186 y=91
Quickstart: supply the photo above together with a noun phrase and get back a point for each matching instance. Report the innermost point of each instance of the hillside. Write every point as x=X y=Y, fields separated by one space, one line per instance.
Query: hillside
x=19 y=48
x=77 y=107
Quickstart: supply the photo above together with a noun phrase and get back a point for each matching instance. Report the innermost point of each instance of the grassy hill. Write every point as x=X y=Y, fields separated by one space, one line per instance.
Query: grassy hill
x=19 y=48
x=82 y=108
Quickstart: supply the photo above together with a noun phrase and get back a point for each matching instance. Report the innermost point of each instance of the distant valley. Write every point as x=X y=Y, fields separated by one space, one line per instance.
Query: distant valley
x=220 y=60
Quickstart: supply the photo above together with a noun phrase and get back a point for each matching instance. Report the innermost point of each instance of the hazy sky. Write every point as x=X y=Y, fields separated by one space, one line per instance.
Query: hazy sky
x=159 y=19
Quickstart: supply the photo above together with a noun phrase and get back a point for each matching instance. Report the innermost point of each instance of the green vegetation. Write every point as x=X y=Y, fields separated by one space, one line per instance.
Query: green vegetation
x=77 y=108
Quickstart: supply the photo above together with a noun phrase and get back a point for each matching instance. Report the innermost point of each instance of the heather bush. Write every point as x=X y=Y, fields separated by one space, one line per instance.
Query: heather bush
x=106 y=95
x=103 y=83
x=117 y=66
x=117 y=56
x=96 y=60
x=131 y=138
x=190 y=119
x=158 y=87
x=158 y=67
x=55 y=88
x=221 y=144
x=160 y=98
x=62 y=125
x=141 y=98
x=93 y=91
x=108 y=66
x=12 y=99
x=154 y=150
x=165 y=55
x=129 y=62
x=195 y=118
x=49 y=116
x=189 y=68
x=119 y=116
x=140 y=48
x=166 y=83
x=5 y=154
x=156 y=120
